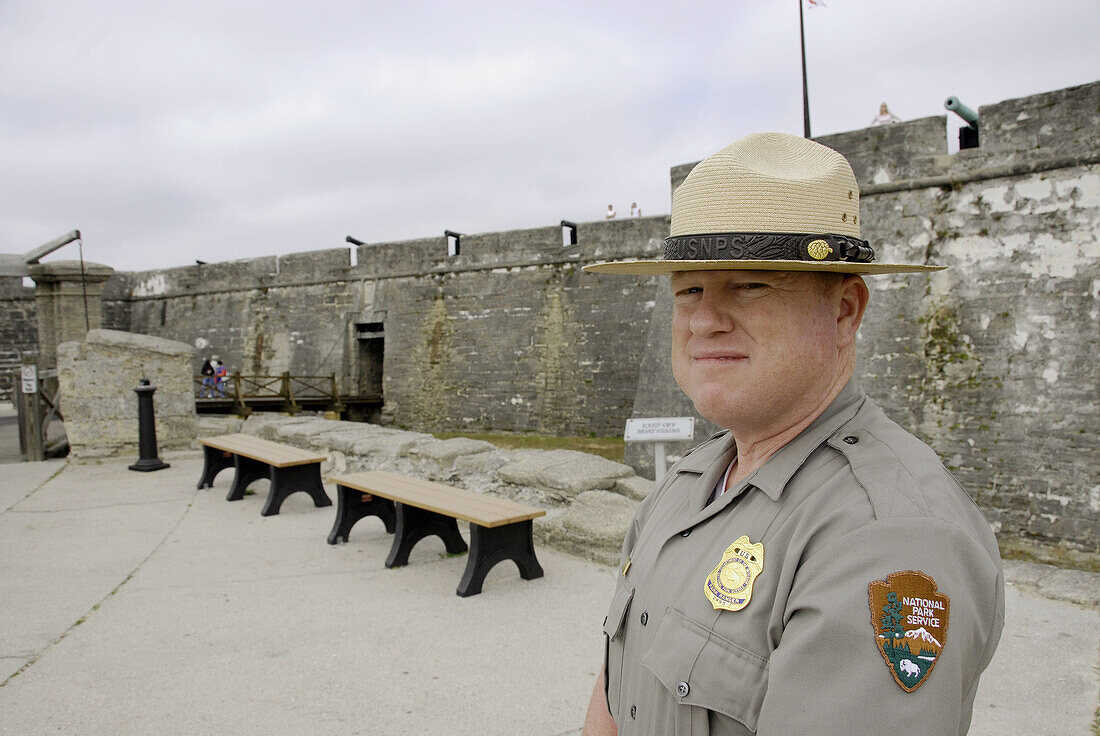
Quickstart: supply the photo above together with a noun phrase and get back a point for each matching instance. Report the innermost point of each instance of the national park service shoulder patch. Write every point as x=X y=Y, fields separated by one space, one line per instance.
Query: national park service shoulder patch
x=909 y=617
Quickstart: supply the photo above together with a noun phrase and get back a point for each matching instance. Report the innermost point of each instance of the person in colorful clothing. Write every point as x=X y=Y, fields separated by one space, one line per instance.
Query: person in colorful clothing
x=812 y=569
x=220 y=372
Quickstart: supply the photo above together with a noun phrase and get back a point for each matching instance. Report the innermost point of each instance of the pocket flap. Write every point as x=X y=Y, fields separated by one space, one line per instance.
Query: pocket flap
x=720 y=675
x=616 y=612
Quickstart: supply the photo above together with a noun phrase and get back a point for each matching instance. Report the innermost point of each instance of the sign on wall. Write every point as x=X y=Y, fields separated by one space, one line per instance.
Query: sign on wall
x=30 y=378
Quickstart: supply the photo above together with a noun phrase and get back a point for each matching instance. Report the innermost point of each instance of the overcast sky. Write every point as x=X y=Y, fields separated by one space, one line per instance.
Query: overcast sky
x=169 y=132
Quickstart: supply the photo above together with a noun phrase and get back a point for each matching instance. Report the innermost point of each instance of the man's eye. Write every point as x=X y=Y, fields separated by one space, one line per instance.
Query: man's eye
x=749 y=286
x=689 y=290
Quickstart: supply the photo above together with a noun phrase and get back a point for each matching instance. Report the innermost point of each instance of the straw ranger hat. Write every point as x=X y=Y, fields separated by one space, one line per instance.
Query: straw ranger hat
x=769 y=202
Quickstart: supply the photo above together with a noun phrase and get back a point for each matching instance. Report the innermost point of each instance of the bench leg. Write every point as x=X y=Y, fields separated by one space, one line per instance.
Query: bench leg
x=350 y=508
x=488 y=546
x=285 y=481
x=413 y=524
x=214 y=461
x=248 y=470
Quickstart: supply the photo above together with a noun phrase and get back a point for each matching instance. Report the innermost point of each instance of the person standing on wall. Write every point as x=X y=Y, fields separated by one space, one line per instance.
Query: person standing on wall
x=207 y=372
x=812 y=569
x=220 y=372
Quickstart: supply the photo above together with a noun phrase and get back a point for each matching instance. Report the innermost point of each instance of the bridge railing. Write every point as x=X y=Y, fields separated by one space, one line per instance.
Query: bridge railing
x=288 y=389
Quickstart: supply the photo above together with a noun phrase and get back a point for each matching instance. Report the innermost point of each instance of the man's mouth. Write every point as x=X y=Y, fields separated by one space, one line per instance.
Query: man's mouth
x=718 y=357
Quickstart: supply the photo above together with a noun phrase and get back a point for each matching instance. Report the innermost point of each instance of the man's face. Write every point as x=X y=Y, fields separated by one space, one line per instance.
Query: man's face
x=755 y=350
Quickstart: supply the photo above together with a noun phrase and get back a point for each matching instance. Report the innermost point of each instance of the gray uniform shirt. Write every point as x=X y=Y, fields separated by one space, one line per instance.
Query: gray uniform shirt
x=851 y=500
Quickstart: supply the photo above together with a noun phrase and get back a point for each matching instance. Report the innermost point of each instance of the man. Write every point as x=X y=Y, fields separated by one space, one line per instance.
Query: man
x=814 y=569
x=207 y=372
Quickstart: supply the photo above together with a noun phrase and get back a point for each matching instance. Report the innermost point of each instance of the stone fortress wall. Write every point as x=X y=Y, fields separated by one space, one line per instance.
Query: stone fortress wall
x=508 y=335
x=992 y=362
x=18 y=330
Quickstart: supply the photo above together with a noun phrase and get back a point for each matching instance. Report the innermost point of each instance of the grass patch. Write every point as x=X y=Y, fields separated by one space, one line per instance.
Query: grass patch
x=1018 y=549
x=608 y=447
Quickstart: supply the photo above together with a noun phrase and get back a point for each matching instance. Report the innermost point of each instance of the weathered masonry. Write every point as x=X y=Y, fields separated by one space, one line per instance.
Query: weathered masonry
x=992 y=362
x=510 y=334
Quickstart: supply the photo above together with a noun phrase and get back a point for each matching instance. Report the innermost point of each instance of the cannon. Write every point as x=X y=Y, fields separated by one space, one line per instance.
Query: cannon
x=968 y=134
x=13 y=264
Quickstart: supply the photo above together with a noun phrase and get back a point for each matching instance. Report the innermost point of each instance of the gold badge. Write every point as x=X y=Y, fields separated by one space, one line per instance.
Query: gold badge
x=729 y=586
x=819 y=250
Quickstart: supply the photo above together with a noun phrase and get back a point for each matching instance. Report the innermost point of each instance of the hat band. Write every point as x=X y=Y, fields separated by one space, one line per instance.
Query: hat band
x=768 y=247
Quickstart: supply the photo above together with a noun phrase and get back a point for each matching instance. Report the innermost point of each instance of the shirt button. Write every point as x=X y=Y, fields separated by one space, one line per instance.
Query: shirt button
x=685 y=533
x=683 y=689
x=851 y=439
x=645 y=618
x=633 y=712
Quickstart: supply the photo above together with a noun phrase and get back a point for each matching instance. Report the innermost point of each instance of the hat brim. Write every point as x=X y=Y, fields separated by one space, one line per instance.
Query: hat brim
x=642 y=267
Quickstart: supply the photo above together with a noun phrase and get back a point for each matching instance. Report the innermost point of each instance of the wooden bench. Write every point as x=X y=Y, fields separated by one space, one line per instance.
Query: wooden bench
x=413 y=509
x=290 y=469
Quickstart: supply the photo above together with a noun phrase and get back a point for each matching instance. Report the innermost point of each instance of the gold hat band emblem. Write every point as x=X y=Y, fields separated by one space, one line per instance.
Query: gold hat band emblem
x=819 y=250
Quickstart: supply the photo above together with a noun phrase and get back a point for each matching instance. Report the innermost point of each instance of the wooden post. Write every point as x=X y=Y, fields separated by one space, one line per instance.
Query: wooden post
x=290 y=406
x=29 y=404
x=238 y=402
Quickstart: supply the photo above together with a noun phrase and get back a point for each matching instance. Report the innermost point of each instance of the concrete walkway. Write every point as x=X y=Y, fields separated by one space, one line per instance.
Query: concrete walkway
x=134 y=604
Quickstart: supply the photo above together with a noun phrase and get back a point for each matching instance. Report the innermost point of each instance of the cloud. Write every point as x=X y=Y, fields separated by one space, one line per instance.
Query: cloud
x=168 y=132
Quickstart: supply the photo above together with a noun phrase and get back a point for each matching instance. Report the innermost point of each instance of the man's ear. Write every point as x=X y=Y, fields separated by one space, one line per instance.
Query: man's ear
x=853 y=296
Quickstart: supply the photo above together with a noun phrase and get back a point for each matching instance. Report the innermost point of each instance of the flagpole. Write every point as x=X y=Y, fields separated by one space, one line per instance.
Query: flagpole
x=805 y=92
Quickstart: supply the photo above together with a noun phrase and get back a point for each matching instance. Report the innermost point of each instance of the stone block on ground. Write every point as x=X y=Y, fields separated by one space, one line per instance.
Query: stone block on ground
x=483 y=463
x=341 y=436
x=564 y=472
x=301 y=434
x=1081 y=587
x=267 y=426
x=635 y=487
x=593 y=526
x=390 y=445
x=525 y=466
x=212 y=425
x=445 y=452
x=97 y=377
x=582 y=472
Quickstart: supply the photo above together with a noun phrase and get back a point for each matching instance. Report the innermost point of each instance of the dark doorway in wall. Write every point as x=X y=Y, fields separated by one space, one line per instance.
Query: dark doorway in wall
x=372 y=342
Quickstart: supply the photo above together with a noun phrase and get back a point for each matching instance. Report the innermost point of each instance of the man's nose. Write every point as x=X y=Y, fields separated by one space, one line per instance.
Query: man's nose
x=709 y=317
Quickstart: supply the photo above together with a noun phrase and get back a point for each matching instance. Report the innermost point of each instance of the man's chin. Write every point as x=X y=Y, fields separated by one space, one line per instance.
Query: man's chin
x=717 y=412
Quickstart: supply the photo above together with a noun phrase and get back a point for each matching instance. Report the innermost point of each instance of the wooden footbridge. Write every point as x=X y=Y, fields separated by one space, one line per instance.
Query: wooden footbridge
x=242 y=394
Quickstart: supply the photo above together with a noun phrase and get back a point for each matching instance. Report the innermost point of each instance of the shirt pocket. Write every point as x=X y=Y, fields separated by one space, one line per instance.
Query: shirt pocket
x=613 y=629
x=702 y=669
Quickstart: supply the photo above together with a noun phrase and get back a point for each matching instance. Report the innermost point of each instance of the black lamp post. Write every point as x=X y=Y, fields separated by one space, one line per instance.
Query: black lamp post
x=147 y=430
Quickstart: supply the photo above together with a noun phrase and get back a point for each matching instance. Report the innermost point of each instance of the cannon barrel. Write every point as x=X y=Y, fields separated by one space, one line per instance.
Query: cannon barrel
x=954 y=105
x=47 y=248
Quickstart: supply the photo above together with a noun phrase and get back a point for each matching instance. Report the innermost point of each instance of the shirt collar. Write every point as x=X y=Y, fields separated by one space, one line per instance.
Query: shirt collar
x=773 y=475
